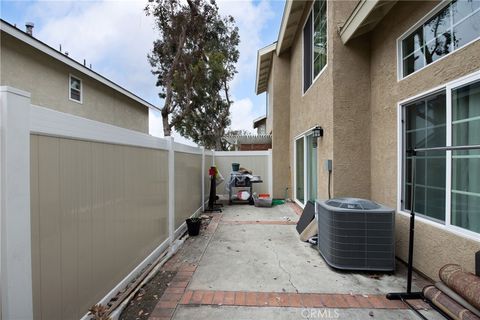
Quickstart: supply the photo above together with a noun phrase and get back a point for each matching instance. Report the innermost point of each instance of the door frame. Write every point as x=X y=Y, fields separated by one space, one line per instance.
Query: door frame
x=303 y=135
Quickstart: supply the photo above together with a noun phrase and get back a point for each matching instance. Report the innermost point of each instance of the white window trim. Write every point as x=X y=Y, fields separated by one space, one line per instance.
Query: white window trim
x=429 y=15
x=447 y=226
x=303 y=47
x=70 y=76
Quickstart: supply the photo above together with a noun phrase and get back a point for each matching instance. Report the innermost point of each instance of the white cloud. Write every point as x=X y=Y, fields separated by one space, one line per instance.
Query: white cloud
x=251 y=19
x=242 y=115
x=156 y=129
x=155 y=123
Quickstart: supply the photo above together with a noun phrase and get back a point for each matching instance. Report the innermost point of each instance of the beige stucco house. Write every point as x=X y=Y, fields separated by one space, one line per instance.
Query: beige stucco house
x=58 y=82
x=380 y=78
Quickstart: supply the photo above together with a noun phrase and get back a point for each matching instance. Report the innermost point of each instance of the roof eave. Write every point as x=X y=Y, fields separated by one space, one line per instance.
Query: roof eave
x=292 y=15
x=264 y=63
x=258 y=120
x=365 y=17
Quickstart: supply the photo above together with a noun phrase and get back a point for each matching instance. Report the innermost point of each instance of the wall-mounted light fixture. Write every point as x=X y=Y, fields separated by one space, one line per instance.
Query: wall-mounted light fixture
x=317 y=133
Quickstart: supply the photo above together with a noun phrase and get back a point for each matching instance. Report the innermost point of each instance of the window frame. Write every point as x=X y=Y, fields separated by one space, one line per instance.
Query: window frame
x=404 y=147
x=448 y=88
x=295 y=160
x=70 y=76
x=412 y=29
x=314 y=78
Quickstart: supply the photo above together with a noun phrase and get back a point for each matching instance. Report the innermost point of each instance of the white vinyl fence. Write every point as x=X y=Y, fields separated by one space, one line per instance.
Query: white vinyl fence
x=259 y=162
x=85 y=206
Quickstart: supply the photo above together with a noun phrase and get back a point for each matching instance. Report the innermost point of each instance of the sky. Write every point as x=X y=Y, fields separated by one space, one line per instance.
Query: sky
x=116 y=36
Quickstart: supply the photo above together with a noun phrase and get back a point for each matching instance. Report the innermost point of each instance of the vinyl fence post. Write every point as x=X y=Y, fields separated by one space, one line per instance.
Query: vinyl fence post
x=203 y=178
x=15 y=229
x=270 y=173
x=171 y=190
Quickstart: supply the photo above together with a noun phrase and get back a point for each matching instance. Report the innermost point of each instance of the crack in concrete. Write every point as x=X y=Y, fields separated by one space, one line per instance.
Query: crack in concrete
x=284 y=270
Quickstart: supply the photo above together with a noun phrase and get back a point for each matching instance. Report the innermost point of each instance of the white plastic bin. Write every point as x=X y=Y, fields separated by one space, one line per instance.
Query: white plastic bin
x=262 y=202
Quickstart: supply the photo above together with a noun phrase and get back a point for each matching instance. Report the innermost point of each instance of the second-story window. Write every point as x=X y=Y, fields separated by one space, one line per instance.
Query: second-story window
x=453 y=26
x=314 y=43
x=75 y=89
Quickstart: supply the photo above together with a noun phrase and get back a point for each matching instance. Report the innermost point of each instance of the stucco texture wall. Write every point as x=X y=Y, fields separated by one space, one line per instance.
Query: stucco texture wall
x=351 y=108
x=434 y=246
x=269 y=101
x=339 y=102
x=281 y=122
x=47 y=80
x=315 y=106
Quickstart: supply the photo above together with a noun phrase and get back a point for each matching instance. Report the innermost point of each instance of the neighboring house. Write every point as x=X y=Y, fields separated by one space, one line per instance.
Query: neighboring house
x=250 y=142
x=381 y=77
x=261 y=125
x=58 y=82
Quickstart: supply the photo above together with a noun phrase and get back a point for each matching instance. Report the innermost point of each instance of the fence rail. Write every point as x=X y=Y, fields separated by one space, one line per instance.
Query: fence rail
x=85 y=206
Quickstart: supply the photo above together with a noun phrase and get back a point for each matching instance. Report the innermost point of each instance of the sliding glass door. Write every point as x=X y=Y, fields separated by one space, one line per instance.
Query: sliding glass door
x=305 y=169
x=300 y=170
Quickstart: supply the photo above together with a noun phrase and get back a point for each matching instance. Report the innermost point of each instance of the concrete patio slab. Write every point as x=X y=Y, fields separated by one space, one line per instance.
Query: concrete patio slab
x=250 y=264
x=271 y=258
x=252 y=213
x=265 y=313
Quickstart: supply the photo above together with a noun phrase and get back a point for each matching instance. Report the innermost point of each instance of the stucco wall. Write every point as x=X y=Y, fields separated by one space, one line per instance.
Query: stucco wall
x=351 y=106
x=338 y=101
x=434 y=246
x=315 y=107
x=47 y=80
x=271 y=95
x=281 y=122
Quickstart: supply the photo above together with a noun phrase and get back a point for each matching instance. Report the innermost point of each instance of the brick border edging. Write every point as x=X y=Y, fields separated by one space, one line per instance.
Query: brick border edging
x=170 y=298
x=293 y=300
x=166 y=305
